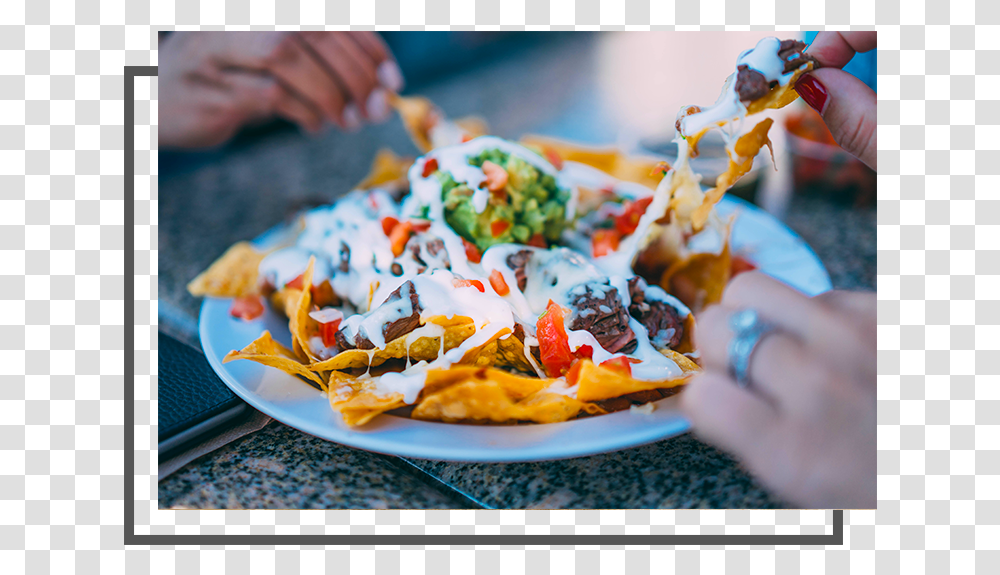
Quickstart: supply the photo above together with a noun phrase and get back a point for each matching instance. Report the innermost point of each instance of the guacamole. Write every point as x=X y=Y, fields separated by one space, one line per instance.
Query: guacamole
x=530 y=207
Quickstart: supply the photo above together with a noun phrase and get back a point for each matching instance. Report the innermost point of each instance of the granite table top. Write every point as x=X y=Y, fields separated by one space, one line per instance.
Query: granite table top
x=207 y=201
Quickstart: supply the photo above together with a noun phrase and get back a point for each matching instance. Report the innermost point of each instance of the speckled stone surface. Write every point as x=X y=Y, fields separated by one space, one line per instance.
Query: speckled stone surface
x=282 y=468
x=209 y=201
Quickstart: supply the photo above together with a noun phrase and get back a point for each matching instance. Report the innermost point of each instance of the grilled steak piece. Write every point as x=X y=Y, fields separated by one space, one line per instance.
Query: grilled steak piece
x=750 y=84
x=791 y=53
x=600 y=311
x=517 y=261
x=394 y=329
x=345 y=258
x=664 y=324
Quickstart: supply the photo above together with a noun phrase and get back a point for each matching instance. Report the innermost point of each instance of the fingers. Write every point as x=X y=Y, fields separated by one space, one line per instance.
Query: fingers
x=387 y=70
x=782 y=370
x=835 y=49
x=727 y=416
x=823 y=330
x=350 y=67
x=848 y=108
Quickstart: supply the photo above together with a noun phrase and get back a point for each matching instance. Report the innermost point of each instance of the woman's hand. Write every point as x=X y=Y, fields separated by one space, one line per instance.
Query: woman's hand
x=213 y=83
x=806 y=423
x=846 y=103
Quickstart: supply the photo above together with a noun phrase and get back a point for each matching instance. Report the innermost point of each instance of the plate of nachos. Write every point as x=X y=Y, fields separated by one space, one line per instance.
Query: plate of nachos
x=493 y=300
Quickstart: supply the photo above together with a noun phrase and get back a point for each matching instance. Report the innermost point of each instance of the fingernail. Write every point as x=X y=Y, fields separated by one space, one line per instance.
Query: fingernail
x=390 y=76
x=352 y=117
x=377 y=105
x=812 y=92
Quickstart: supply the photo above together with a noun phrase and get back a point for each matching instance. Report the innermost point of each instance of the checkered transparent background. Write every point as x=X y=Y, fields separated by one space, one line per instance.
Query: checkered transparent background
x=62 y=289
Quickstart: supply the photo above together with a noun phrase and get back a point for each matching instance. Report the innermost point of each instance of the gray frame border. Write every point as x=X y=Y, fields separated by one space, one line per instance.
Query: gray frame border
x=131 y=538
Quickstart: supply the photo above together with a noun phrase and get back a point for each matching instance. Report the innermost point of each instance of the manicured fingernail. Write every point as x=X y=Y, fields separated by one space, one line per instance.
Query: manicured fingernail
x=352 y=116
x=390 y=76
x=812 y=91
x=377 y=105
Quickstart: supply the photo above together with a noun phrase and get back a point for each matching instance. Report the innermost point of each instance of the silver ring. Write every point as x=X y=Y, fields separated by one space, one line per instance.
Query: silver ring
x=748 y=329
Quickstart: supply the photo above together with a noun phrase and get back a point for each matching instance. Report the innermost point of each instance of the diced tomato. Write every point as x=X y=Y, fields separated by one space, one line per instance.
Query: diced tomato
x=247 y=307
x=605 y=241
x=373 y=202
x=399 y=236
x=389 y=223
x=553 y=341
x=573 y=375
x=585 y=351
x=420 y=225
x=466 y=283
x=467 y=137
x=498 y=283
x=430 y=166
x=496 y=177
x=660 y=168
x=498 y=227
x=471 y=251
x=628 y=221
x=297 y=282
x=329 y=332
x=740 y=264
x=538 y=240
x=553 y=157
x=620 y=363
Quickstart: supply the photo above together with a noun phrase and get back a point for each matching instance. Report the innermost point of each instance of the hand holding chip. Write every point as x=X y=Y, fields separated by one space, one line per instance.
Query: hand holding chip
x=214 y=83
x=845 y=102
x=805 y=424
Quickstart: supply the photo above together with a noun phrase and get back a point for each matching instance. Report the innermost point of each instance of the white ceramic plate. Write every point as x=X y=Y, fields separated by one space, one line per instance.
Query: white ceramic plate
x=775 y=248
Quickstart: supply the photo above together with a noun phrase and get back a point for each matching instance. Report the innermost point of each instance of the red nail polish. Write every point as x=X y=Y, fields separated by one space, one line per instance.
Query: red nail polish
x=812 y=92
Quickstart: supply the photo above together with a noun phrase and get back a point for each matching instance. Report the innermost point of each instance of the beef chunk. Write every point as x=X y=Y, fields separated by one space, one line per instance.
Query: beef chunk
x=517 y=261
x=750 y=84
x=428 y=252
x=791 y=54
x=664 y=324
x=393 y=329
x=600 y=311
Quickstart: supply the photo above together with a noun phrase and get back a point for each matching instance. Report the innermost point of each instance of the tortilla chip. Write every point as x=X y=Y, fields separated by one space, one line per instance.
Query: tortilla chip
x=266 y=351
x=387 y=168
x=299 y=322
x=234 y=274
x=609 y=160
x=511 y=353
x=478 y=400
x=597 y=383
x=418 y=114
x=700 y=279
x=473 y=125
x=362 y=404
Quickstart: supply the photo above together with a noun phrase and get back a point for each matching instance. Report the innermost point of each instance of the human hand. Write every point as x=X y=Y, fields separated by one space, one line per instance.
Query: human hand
x=845 y=102
x=213 y=83
x=805 y=425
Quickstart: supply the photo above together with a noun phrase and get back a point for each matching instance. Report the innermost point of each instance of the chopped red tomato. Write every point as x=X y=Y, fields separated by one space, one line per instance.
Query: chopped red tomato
x=467 y=137
x=553 y=157
x=740 y=264
x=247 y=307
x=660 y=168
x=389 y=223
x=399 y=236
x=553 y=341
x=605 y=241
x=573 y=375
x=538 y=240
x=620 y=363
x=420 y=225
x=329 y=332
x=498 y=227
x=297 y=282
x=496 y=177
x=628 y=221
x=466 y=283
x=430 y=166
x=471 y=251
x=585 y=351
x=498 y=283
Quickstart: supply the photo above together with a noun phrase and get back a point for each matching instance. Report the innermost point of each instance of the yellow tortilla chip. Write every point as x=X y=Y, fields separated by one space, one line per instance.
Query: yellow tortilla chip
x=232 y=275
x=607 y=159
x=471 y=400
x=597 y=383
x=387 y=168
x=418 y=114
x=298 y=317
x=266 y=351
x=699 y=279
x=473 y=125
x=362 y=404
x=419 y=348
